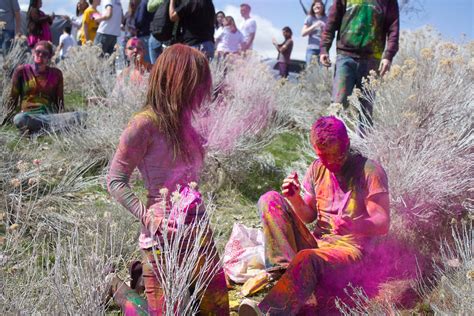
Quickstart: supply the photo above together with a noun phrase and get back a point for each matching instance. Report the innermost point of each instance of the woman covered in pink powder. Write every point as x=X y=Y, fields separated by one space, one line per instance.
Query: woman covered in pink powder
x=161 y=142
x=38 y=23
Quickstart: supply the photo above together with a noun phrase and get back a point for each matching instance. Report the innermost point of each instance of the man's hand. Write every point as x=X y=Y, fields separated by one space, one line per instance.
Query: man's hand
x=342 y=225
x=384 y=66
x=291 y=186
x=324 y=59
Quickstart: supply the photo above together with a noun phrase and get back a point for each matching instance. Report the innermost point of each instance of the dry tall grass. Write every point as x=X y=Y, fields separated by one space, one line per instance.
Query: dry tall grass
x=59 y=230
x=422 y=135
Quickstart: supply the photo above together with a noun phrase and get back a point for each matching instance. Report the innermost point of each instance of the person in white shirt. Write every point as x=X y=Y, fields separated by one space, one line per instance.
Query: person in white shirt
x=229 y=40
x=248 y=26
x=109 y=27
x=66 y=41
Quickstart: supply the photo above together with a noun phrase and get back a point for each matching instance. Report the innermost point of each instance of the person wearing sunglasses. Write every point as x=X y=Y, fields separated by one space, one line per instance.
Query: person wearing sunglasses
x=347 y=195
x=37 y=92
x=137 y=65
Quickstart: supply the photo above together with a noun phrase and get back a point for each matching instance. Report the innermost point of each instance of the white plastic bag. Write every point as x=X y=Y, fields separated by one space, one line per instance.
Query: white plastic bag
x=244 y=253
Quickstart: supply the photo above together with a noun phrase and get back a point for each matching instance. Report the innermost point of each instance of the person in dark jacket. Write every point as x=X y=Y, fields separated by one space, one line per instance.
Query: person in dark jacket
x=143 y=19
x=196 y=19
x=367 y=39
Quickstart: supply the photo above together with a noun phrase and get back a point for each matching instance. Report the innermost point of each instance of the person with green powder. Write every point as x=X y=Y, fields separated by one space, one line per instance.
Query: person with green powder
x=367 y=39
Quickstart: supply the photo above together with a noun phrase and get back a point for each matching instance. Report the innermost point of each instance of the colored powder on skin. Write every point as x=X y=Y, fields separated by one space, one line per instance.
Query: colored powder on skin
x=385 y=261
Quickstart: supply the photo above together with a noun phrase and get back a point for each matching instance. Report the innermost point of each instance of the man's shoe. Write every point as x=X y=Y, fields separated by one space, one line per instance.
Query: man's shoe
x=249 y=308
x=262 y=280
x=256 y=284
x=136 y=275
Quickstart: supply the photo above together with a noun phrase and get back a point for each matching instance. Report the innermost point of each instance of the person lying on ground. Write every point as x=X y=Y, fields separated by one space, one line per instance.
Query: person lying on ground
x=37 y=91
x=162 y=143
x=346 y=194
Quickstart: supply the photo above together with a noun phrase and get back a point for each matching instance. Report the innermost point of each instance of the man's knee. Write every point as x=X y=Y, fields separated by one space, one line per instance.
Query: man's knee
x=21 y=121
x=307 y=257
x=268 y=200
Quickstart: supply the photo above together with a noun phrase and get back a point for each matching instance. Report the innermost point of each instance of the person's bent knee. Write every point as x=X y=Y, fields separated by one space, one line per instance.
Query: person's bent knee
x=266 y=198
x=21 y=120
x=306 y=256
x=271 y=203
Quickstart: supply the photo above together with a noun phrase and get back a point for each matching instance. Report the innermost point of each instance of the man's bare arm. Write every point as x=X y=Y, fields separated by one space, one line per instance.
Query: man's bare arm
x=302 y=206
x=249 y=43
x=107 y=14
x=172 y=12
x=377 y=223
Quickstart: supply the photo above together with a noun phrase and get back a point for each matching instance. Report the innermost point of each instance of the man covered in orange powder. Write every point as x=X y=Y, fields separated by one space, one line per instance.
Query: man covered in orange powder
x=346 y=193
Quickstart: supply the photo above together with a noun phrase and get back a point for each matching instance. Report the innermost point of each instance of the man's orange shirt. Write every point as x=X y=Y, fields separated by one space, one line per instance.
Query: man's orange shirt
x=345 y=194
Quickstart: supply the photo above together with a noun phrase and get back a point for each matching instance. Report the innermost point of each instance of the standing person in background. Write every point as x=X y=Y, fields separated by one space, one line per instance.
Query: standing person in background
x=155 y=47
x=219 y=21
x=229 y=39
x=128 y=21
x=76 y=21
x=89 y=24
x=313 y=28
x=38 y=23
x=284 y=51
x=10 y=15
x=129 y=30
x=196 y=19
x=367 y=39
x=143 y=19
x=66 y=41
x=109 y=27
x=248 y=26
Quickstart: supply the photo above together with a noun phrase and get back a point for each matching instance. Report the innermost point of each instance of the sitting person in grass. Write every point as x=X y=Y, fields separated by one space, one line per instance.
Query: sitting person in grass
x=162 y=143
x=131 y=80
x=137 y=65
x=347 y=194
x=37 y=89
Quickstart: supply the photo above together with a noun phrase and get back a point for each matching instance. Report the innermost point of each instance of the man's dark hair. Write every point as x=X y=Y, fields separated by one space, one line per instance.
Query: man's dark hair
x=67 y=29
x=287 y=29
x=246 y=5
x=90 y=2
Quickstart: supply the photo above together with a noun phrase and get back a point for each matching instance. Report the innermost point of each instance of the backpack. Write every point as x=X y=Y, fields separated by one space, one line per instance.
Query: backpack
x=161 y=27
